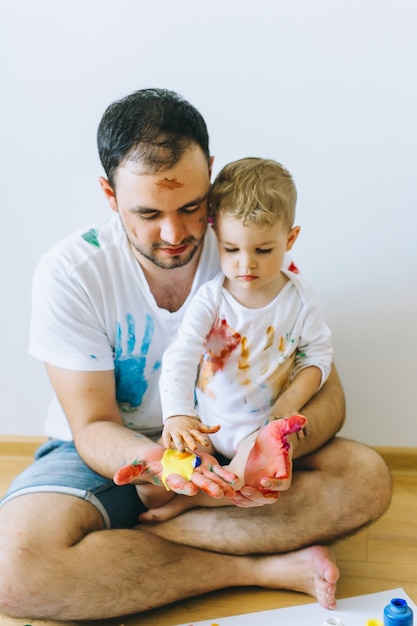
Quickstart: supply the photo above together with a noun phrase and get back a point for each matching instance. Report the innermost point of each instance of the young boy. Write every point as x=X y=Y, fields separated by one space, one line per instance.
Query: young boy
x=253 y=342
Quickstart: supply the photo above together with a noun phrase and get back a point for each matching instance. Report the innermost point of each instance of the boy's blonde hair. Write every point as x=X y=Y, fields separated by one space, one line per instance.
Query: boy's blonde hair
x=255 y=191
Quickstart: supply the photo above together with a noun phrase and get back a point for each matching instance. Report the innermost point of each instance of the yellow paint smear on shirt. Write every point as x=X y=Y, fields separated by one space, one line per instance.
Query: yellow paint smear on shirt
x=270 y=332
x=245 y=353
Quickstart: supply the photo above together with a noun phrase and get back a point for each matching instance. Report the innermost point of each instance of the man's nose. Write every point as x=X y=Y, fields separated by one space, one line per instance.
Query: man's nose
x=172 y=230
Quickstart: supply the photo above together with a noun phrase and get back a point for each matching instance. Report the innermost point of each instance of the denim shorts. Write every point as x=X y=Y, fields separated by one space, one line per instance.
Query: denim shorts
x=57 y=468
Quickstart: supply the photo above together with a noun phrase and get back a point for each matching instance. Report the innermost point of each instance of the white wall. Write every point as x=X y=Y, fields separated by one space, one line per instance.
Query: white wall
x=326 y=87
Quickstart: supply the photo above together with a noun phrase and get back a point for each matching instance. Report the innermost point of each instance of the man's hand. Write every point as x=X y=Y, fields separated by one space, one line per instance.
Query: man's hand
x=209 y=476
x=269 y=465
x=249 y=497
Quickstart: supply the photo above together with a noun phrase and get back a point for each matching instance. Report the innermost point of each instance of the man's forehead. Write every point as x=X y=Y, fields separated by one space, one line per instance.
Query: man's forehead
x=190 y=173
x=168 y=183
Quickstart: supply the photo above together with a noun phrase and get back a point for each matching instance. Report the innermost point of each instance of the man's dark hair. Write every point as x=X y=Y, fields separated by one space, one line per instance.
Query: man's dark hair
x=153 y=127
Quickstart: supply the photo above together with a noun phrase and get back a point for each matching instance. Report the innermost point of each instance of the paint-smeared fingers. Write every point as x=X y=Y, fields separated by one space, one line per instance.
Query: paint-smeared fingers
x=224 y=474
x=179 y=484
x=292 y=424
x=183 y=440
x=204 y=428
x=223 y=483
x=249 y=497
x=212 y=469
x=167 y=439
x=128 y=473
x=212 y=486
x=200 y=438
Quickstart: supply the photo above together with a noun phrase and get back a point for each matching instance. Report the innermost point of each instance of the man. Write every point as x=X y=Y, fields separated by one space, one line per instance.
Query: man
x=106 y=303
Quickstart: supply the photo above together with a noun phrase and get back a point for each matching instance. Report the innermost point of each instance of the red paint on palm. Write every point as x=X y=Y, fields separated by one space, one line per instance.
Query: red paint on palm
x=127 y=473
x=269 y=457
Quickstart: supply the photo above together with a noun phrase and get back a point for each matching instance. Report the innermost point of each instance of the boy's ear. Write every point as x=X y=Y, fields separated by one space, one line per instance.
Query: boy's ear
x=292 y=237
x=109 y=193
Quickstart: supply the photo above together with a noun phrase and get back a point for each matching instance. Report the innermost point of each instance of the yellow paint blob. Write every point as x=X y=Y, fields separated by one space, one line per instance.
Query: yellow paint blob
x=176 y=462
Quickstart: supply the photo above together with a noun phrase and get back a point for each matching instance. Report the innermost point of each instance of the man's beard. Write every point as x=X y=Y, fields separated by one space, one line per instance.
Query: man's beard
x=175 y=261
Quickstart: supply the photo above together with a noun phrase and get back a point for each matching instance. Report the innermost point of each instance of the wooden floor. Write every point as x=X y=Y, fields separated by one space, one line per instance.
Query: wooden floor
x=379 y=558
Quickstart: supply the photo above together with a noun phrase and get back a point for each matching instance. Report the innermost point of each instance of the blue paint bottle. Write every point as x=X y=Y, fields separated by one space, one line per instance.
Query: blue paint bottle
x=398 y=613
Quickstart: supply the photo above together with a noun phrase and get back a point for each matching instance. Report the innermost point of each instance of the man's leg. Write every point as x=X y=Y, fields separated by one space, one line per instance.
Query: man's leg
x=56 y=562
x=335 y=491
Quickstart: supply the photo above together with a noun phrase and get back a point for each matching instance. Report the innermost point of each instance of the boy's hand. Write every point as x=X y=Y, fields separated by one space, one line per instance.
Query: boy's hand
x=184 y=432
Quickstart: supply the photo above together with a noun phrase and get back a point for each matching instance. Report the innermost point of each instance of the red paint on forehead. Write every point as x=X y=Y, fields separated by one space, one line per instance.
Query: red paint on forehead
x=169 y=183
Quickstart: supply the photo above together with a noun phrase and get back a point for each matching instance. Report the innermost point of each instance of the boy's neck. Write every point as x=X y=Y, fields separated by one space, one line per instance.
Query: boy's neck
x=256 y=298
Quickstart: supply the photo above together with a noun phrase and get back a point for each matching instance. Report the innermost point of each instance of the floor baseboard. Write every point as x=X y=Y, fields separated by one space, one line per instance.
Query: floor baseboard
x=397 y=458
x=16 y=445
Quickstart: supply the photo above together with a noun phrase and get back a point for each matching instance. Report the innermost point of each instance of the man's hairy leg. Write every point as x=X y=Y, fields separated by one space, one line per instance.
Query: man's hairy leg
x=335 y=492
x=56 y=562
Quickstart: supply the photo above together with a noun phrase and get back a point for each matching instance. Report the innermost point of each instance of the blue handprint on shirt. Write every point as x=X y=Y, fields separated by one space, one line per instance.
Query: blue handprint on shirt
x=131 y=383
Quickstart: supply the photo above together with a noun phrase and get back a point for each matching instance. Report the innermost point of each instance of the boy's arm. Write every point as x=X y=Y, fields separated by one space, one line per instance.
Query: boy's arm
x=181 y=358
x=325 y=413
x=298 y=393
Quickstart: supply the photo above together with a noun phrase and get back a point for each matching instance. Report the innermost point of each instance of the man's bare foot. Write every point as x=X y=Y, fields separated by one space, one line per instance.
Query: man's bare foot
x=311 y=570
x=178 y=504
x=269 y=457
x=153 y=496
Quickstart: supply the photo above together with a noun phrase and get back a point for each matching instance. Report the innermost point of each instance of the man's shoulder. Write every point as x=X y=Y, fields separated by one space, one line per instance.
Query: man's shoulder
x=87 y=244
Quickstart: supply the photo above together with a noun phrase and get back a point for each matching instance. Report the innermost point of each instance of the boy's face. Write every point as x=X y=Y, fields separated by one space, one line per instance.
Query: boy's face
x=164 y=215
x=252 y=257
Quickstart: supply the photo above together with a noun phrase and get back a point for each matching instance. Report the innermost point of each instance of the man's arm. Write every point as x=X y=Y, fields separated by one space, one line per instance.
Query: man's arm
x=89 y=402
x=105 y=444
x=325 y=414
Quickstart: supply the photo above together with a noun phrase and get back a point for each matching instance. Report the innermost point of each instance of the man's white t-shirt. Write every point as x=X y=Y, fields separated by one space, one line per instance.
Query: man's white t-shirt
x=92 y=310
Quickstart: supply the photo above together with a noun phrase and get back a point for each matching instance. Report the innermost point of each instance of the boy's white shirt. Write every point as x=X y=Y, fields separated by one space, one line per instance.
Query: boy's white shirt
x=236 y=375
